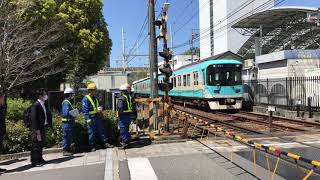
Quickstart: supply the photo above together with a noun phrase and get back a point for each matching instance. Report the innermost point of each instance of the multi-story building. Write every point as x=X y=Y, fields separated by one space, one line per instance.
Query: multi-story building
x=216 y=19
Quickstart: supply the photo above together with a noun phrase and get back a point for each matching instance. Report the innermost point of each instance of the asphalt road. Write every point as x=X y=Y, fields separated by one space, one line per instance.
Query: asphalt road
x=89 y=172
x=187 y=167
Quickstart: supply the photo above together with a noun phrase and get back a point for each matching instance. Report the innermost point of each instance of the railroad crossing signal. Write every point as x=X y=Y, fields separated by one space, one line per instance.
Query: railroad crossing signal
x=166 y=54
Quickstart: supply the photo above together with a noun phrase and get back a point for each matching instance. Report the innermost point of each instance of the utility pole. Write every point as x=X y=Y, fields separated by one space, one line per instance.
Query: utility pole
x=171 y=41
x=193 y=36
x=153 y=63
x=124 y=57
x=166 y=70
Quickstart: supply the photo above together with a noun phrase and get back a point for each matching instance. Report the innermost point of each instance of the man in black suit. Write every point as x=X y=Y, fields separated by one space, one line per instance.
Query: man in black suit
x=2 y=123
x=40 y=118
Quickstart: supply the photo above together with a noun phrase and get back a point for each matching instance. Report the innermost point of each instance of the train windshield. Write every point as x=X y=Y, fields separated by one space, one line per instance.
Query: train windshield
x=224 y=75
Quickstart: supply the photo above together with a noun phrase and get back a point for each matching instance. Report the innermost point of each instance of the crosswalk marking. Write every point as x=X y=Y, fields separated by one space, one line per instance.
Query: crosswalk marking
x=108 y=172
x=140 y=169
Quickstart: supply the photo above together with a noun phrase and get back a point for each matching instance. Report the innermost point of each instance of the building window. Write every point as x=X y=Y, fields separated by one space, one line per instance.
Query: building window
x=188 y=80
x=179 y=81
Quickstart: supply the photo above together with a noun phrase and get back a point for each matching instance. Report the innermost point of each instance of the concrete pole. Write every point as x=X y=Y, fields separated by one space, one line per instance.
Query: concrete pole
x=123 y=51
x=153 y=63
x=192 y=37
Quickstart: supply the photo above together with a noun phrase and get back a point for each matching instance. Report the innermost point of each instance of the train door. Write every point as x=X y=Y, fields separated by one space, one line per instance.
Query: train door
x=193 y=84
x=203 y=82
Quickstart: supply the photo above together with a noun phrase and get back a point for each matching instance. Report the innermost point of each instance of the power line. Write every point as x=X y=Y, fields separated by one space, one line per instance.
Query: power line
x=182 y=12
x=188 y=21
x=226 y=26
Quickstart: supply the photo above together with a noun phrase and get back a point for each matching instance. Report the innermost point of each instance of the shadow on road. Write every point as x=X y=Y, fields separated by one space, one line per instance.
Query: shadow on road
x=140 y=143
x=53 y=161
x=12 y=161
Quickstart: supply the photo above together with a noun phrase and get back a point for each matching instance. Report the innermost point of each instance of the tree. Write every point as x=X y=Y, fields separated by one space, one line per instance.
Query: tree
x=27 y=52
x=86 y=35
x=51 y=39
x=195 y=51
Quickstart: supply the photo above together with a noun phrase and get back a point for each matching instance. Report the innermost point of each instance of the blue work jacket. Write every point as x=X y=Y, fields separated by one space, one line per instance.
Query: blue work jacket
x=87 y=107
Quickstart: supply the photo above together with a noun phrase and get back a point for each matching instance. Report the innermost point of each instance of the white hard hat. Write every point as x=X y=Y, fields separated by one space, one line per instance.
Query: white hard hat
x=124 y=87
x=68 y=91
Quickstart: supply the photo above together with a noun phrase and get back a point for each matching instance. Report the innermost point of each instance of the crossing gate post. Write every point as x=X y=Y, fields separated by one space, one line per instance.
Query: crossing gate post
x=150 y=103
x=185 y=128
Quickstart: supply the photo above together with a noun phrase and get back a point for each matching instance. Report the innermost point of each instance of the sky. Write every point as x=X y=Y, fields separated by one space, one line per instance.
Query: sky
x=129 y=15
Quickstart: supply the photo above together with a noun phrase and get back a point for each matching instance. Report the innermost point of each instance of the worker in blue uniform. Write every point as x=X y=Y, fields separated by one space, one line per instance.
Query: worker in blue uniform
x=126 y=112
x=92 y=114
x=68 y=117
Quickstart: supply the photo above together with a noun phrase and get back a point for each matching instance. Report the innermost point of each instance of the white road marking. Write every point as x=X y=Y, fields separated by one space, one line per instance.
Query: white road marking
x=108 y=171
x=141 y=169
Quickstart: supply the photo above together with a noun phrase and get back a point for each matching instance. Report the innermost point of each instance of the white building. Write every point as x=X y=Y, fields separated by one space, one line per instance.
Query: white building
x=289 y=63
x=216 y=19
x=109 y=81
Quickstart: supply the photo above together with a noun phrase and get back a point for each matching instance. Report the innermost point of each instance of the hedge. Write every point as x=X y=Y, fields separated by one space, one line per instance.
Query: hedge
x=16 y=108
x=18 y=137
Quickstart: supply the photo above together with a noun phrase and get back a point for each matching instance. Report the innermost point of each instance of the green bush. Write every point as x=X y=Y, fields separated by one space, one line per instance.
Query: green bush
x=54 y=134
x=18 y=138
x=110 y=121
x=16 y=107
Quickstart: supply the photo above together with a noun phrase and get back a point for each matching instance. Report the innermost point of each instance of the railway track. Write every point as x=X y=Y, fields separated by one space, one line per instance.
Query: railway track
x=306 y=125
x=249 y=123
x=237 y=125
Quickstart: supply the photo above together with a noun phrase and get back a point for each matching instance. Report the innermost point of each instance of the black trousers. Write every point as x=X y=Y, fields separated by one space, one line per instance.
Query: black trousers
x=1 y=143
x=37 y=147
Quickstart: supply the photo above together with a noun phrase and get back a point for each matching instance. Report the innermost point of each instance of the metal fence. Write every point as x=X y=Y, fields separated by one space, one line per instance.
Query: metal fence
x=286 y=92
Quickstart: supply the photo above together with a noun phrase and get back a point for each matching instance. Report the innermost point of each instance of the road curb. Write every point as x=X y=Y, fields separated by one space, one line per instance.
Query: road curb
x=26 y=154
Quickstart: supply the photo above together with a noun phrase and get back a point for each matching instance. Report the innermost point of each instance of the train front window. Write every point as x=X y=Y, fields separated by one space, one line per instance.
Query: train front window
x=224 y=75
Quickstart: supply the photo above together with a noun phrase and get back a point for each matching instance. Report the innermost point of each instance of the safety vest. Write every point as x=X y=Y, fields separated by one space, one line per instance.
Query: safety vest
x=129 y=103
x=65 y=119
x=95 y=106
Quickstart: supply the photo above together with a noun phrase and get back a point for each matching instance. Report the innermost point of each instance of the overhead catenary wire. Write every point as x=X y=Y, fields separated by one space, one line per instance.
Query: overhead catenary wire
x=223 y=19
x=206 y=32
x=182 y=11
x=189 y=20
x=136 y=46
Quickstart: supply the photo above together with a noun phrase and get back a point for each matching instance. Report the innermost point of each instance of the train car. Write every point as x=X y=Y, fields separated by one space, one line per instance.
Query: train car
x=213 y=83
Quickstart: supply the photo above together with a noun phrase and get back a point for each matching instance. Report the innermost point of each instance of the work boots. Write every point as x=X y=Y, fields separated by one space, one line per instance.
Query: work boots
x=107 y=145
x=67 y=153
x=124 y=145
x=92 y=148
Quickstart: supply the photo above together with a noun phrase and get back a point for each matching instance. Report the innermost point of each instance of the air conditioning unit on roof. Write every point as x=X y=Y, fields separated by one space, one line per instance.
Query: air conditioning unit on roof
x=248 y=63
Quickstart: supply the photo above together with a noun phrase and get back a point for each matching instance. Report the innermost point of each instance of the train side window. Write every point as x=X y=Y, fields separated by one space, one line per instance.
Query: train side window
x=195 y=78
x=188 y=80
x=174 y=82
x=179 y=81
x=184 y=80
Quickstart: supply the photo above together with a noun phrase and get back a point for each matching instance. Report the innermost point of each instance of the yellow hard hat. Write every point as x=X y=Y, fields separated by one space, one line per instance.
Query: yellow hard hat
x=92 y=86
